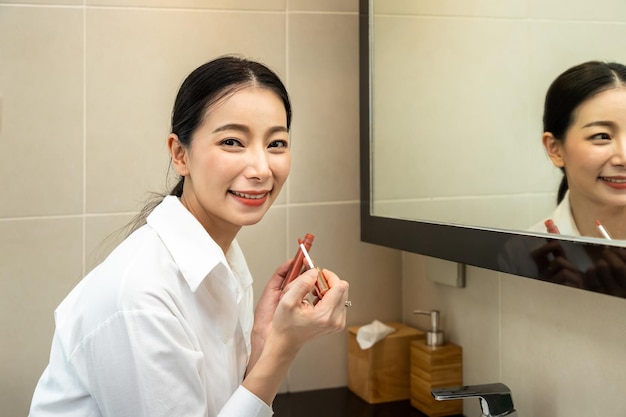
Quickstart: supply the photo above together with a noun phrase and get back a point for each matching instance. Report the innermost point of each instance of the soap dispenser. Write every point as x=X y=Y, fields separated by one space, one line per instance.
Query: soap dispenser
x=435 y=363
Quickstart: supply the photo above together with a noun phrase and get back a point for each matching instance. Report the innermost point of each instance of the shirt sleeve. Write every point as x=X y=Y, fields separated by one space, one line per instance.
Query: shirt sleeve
x=245 y=403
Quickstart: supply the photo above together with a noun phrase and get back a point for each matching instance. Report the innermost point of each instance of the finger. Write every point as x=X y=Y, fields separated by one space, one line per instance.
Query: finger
x=298 y=289
x=615 y=261
x=544 y=254
x=283 y=268
x=568 y=278
x=602 y=272
x=613 y=277
x=592 y=282
x=280 y=274
x=619 y=252
x=337 y=294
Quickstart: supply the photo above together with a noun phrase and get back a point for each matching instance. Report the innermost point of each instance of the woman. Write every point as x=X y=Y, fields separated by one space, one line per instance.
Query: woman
x=585 y=136
x=165 y=325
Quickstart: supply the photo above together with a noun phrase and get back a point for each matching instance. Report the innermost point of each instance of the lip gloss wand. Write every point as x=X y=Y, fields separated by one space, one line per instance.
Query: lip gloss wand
x=321 y=286
x=602 y=230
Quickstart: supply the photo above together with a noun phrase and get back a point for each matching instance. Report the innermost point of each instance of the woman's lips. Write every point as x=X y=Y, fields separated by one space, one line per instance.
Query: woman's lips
x=618 y=183
x=250 y=198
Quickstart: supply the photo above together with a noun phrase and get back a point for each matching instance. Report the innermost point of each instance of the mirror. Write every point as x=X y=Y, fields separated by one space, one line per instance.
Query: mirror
x=452 y=164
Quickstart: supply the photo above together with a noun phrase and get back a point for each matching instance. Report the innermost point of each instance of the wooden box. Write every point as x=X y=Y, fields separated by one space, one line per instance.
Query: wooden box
x=381 y=373
x=435 y=367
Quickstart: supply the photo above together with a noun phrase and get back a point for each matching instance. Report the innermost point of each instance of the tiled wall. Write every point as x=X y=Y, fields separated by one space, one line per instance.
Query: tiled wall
x=86 y=90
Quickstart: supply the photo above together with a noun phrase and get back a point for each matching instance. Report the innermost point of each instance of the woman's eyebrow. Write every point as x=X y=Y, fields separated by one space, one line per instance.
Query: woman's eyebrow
x=605 y=123
x=246 y=129
x=232 y=126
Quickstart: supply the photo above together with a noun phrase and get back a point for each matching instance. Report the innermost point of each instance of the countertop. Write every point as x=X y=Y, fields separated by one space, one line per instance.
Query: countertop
x=338 y=402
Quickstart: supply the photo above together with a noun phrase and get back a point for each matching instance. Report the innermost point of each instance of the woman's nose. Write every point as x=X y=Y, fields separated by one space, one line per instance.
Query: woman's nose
x=258 y=165
x=619 y=153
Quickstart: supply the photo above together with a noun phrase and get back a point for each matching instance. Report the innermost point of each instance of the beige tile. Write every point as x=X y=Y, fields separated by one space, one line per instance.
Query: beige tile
x=505 y=211
x=41 y=118
x=562 y=349
x=45 y=2
x=323 y=5
x=604 y=10
x=40 y=263
x=482 y=8
x=323 y=83
x=438 y=127
x=557 y=46
x=136 y=59
x=102 y=235
x=274 y=5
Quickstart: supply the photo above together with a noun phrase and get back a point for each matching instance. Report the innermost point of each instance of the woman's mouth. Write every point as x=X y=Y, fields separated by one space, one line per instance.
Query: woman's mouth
x=614 y=182
x=249 y=198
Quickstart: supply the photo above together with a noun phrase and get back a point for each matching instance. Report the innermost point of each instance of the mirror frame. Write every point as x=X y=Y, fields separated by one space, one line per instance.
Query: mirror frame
x=470 y=245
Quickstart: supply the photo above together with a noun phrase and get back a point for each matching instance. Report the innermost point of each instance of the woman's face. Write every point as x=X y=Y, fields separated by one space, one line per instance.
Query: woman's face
x=238 y=160
x=594 y=150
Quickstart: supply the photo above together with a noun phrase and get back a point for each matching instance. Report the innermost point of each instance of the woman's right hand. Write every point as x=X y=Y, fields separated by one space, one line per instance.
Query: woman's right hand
x=296 y=320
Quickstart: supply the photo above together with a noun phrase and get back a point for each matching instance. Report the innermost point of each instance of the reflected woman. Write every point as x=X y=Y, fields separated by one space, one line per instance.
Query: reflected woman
x=585 y=137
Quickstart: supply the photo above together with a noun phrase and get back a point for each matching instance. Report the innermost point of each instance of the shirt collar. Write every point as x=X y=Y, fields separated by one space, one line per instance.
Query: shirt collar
x=192 y=248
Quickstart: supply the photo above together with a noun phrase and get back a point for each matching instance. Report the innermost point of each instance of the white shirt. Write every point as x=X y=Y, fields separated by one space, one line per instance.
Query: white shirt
x=160 y=328
x=562 y=218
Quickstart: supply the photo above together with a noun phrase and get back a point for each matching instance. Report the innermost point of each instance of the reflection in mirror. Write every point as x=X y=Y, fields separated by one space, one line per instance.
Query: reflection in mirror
x=585 y=137
x=457 y=102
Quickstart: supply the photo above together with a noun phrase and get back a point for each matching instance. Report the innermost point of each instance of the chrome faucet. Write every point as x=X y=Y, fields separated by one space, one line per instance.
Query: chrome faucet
x=495 y=399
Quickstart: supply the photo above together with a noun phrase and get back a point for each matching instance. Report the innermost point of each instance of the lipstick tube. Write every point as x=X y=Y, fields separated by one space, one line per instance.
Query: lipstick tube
x=297 y=264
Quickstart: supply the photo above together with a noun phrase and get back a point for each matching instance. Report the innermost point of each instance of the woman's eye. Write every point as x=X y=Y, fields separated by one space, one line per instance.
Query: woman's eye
x=230 y=142
x=602 y=136
x=278 y=144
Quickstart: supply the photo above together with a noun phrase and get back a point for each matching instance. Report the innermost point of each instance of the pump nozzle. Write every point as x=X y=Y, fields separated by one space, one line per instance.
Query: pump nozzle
x=434 y=337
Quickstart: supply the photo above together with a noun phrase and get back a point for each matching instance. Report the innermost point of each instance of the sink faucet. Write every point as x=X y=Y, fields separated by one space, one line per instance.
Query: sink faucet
x=495 y=399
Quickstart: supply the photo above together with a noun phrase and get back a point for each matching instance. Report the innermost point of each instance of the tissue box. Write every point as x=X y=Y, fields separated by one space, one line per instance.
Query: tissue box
x=382 y=373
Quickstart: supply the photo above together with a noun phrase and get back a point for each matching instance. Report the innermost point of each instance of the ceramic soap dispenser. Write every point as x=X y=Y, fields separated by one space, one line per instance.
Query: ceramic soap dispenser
x=435 y=363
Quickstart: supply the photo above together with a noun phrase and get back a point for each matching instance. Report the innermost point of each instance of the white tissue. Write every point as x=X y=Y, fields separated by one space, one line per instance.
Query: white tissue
x=371 y=333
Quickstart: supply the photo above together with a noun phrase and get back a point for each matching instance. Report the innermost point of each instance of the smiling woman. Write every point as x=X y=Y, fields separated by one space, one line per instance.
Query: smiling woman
x=166 y=325
x=585 y=136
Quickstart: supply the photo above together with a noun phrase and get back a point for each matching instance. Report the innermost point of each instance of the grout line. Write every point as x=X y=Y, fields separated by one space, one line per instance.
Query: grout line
x=84 y=185
x=288 y=188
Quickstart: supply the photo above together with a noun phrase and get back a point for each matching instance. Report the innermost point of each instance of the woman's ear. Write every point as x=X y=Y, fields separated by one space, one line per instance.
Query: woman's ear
x=554 y=149
x=179 y=154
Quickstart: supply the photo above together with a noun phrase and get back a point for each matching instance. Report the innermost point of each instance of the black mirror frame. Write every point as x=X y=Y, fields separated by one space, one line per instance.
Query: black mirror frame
x=473 y=246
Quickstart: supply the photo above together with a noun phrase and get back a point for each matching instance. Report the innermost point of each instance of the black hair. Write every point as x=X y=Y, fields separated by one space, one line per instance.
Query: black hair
x=569 y=90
